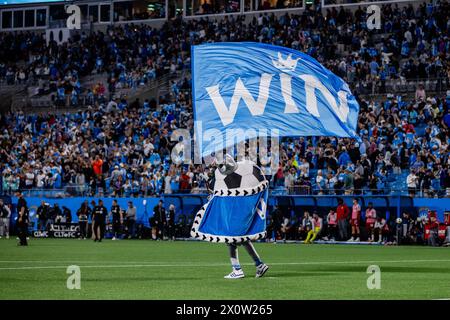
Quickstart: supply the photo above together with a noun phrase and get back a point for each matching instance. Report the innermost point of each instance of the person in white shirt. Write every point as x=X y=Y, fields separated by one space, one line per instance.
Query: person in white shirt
x=40 y=179
x=148 y=146
x=320 y=181
x=29 y=179
x=411 y=182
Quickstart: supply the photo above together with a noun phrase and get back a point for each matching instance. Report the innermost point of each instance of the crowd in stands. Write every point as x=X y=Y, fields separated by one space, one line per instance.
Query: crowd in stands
x=123 y=149
x=412 y=43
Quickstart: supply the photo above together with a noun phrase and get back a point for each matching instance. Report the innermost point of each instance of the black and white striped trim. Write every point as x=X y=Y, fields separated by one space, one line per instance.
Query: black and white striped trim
x=242 y=191
x=219 y=239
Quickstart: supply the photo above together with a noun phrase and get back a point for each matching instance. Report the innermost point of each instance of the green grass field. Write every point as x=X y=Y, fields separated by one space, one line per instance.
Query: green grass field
x=142 y=269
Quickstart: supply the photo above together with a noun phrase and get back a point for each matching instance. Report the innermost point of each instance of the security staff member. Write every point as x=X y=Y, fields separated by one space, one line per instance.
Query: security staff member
x=23 y=219
x=98 y=219
x=158 y=221
x=117 y=219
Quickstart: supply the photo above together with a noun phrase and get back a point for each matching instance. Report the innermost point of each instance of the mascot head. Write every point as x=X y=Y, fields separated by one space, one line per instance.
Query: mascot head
x=236 y=175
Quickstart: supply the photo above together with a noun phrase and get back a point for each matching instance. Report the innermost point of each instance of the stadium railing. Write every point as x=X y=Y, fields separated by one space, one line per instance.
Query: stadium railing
x=338 y=3
x=307 y=190
x=85 y=191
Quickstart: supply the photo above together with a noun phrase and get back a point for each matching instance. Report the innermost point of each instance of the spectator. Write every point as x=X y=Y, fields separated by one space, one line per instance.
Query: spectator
x=412 y=181
x=97 y=166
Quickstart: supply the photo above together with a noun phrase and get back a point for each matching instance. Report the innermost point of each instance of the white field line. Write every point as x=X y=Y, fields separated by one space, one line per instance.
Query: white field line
x=217 y=264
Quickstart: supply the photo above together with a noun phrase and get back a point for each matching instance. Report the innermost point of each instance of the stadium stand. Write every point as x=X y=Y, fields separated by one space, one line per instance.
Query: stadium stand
x=133 y=139
x=106 y=136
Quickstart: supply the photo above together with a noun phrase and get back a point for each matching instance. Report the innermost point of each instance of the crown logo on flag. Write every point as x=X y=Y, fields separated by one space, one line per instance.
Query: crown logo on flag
x=287 y=64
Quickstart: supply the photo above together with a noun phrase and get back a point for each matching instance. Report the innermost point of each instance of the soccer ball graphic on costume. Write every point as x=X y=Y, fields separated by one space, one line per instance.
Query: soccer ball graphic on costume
x=246 y=175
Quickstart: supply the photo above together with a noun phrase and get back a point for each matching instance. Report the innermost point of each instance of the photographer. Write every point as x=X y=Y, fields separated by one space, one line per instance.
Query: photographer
x=57 y=214
x=67 y=214
x=43 y=214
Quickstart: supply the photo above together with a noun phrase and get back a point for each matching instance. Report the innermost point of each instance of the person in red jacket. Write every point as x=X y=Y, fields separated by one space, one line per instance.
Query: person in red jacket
x=433 y=227
x=342 y=212
x=97 y=166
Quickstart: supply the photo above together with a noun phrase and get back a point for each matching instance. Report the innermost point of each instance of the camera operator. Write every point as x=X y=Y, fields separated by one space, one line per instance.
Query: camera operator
x=43 y=215
x=57 y=212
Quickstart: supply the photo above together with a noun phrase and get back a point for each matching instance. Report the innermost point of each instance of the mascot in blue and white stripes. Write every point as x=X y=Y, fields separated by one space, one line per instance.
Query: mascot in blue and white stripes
x=236 y=212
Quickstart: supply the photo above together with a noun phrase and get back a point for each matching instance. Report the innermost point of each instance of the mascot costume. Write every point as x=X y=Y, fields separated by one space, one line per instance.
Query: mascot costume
x=236 y=212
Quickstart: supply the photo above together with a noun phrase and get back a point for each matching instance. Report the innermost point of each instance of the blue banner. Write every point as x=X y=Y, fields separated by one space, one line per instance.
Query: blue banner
x=245 y=88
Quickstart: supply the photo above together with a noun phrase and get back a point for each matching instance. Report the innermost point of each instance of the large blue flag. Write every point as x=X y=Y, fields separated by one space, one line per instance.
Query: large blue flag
x=255 y=87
